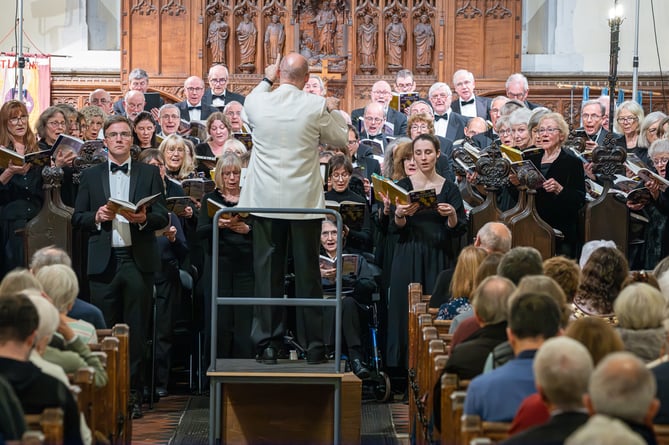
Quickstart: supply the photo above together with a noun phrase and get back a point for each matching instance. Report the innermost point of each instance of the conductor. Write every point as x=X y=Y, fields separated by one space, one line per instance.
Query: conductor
x=288 y=125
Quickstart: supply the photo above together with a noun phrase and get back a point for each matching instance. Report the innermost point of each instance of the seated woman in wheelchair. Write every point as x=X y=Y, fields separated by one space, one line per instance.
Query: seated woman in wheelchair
x=358 y=285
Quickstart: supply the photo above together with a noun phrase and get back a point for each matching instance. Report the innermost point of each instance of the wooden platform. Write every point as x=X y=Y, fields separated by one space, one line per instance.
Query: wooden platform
x=290 y=402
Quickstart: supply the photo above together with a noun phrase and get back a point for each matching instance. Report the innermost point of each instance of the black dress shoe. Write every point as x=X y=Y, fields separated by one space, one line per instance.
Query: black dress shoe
x=267 y=356
x=316 y=358
x=162 y=391
x=359 y=369
x=136 y=411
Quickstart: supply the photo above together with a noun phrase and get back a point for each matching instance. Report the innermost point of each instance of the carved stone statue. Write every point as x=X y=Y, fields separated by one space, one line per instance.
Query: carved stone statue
x=275 y=37
x=424 y=36
x=367 y=44
x=246 y=36
x=217 y=38
x=396 y=36
x=326 y=26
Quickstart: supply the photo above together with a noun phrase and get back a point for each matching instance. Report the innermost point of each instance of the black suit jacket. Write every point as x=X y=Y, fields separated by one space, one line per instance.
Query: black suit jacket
x=554 y=432
x=229 y=97
x=120 y=111
x=366 y=162
x=204 y=112
x=399 y=120
x=532 y=105
x=456 y=127
x=482 y=106
x=94 y=191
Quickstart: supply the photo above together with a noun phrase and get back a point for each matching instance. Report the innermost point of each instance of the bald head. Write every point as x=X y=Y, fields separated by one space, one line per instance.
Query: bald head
x=294 y=70
x=476 y=125
x=494 y=237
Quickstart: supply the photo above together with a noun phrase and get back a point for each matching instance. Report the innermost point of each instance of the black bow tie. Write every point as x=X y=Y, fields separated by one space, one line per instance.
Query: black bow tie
x=115 y=168
x=195 y=108
x=467 y=102
x=440 y=116
x=218 y=96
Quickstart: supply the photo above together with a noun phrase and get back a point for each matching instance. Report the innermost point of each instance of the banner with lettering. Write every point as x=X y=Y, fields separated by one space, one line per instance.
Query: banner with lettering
x=36 y=83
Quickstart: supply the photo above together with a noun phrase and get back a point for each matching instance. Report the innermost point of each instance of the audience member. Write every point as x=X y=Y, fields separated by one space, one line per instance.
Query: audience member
x=565 y=272
x=603 y=430
x=461 y=286
x=520 y=261
x=518 y=88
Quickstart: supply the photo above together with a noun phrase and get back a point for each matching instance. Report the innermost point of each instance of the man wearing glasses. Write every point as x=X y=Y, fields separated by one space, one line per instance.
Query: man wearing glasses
x=123 y=252
x=592 y=115
x=518 y=88
x=217 y=95
x=138 y=80
x=381 y=93
x=192 y=109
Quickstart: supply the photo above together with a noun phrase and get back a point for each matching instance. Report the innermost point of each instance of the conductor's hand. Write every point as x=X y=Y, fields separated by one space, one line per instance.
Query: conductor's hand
x=272 y=71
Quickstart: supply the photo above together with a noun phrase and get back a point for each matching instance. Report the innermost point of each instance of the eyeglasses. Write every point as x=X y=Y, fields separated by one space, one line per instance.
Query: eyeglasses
x=123 y=134
x=494 y=111
x=627 y=119
x=100 y=101
x=373 y=120
x=233 y=113
x=56 y=124
x=548 y=130
x=175 y=150
x=231 y=173
x=194 y=89
x=405 y=85
x=221 y=80
x=170 y=116
x=504 y=132
x=329 y=234
x=341 y=177
x=419 y=127
x=518 y=130
x=594 y=117
x=440 y=96
x=17 y=119
x=518 y=96
x=660 y=161
x=463 y=83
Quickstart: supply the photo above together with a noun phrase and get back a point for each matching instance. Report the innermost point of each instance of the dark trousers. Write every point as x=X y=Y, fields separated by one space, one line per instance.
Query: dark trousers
x=351 y=327
x=272 y=239
x=125 y=296
x=168 y=294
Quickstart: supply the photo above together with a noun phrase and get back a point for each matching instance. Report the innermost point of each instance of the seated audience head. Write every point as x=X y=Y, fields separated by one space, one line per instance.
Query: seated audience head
x=604 y=430
x=236 y=115
x=548 y=286
x=464 y=274
x=138 y=80
x=48 y=319
x=494 y=237
x=60 y=284
x=562 y=368
x=602 y=279
x=47 y=256
x=520 y=261
x=598 y=336
x=565 y=272
x=144 y=130
x=18 y=322
x=488 y=267
x=621 y=386
x=315 y=85
x=19 y=280
x=640 y=306
x=590 y=247
x=533 y=318
x=491 y=298
x=101 y=98
x=169 y=118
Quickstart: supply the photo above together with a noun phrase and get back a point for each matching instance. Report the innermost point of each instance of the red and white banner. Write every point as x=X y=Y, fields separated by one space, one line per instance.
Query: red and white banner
x=36 y=83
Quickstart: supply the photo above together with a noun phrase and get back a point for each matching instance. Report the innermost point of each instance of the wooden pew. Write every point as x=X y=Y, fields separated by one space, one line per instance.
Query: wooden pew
x=84 y=380
x=662 y=434
x=124 y=420
x=473 y=428
x=50 y=422
x=105 y=409
x=450 y=384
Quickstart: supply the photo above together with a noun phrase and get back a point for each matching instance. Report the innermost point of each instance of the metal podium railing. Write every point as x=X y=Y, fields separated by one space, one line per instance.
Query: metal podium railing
x=214 y=386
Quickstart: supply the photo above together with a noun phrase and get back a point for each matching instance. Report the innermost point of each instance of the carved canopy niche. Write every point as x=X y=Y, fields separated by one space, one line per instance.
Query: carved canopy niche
x=353 y=42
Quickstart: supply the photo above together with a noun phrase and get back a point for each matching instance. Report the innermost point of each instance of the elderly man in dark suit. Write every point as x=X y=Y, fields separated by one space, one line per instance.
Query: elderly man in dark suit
x=382 y=94
x=217 y=95
x=193 y=108
x=469 y=104
x=447 y=124
x=592 y=113
x=518 y=88
x=284 y=172
x=123 y=252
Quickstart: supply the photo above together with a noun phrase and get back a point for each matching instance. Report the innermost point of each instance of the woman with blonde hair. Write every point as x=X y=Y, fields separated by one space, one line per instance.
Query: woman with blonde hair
x=463 y=283
x=178 y=164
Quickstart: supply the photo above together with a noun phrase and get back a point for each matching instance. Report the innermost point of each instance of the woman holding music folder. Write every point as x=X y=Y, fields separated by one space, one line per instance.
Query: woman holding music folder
x=219 y=131
x=427 y=231
x=563 y=193
x=235 y=260
x=357 y=225
x=21 y=192
x=178 y=164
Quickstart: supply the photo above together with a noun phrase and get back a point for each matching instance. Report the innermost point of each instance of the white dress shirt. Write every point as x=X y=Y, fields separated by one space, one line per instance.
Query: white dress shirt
x=119 y=188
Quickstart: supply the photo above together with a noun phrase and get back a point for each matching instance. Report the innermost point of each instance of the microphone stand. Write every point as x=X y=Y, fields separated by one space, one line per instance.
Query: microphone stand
x=615 y=19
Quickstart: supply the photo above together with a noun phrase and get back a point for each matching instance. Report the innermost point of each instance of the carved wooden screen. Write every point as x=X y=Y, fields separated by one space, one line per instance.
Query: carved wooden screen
x=351 y=43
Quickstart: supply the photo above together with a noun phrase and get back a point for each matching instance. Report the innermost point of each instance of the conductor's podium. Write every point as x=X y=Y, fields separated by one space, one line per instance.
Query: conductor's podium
x=287 y=403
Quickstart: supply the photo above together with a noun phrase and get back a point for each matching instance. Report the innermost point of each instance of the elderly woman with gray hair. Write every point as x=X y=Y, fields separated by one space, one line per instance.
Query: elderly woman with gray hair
x=641 y=310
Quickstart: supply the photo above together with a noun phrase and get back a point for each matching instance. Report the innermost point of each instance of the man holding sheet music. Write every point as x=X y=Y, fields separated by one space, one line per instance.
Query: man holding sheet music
x=381 y=93
x=123 y=252
x=284 y=172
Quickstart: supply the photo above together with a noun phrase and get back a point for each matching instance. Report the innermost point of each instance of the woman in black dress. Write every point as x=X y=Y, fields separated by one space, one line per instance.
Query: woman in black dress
x=425 y=246
x=235 y=261
x=219 y=131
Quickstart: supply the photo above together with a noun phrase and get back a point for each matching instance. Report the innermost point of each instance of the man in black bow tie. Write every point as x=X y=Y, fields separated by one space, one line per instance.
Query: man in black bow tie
x=217 y=94
x=447 y=124
x=468 y=104
x=381 y=93
x=592 y=114
x=192 y=109
x=123 y=253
